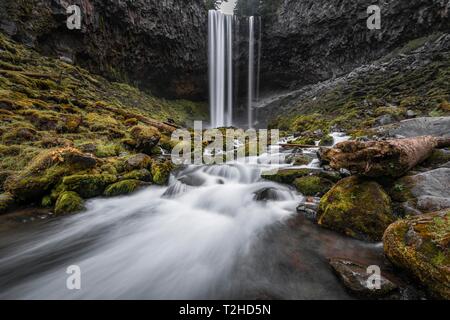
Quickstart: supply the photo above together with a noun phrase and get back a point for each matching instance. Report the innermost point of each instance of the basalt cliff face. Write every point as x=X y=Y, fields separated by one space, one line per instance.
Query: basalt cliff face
x=308 y=41
x=157 y=45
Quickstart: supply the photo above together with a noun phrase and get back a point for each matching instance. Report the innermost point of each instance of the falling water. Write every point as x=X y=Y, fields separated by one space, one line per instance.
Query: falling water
x=220 y=52
x=251 y=61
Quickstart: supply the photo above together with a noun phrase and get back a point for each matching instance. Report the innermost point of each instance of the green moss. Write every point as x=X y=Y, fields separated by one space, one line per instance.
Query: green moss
x=68 y=202
x=141 y=175
x=88 y=185
x=108 y=150
x=359 y=208
x=46 y=202
x=146 y=138
x=45 y=171
x=287 y=176
x=326 y=141
x=312 y=185
x=420 y=245
x=308 y=141
x=161 y=172
x=6 y=201
x=122 y=188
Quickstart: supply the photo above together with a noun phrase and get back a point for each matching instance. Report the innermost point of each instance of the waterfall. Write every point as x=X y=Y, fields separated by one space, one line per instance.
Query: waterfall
x=222 y=87
x=220 y=53
x=251 y=61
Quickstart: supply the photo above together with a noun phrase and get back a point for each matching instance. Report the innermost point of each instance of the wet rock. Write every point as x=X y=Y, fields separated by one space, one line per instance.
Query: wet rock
x=424 y=192
x=411 y=114
x=141 y=175
x=192 y=180
x=355 y=278
x=45 y=171
x=385 y=120
x=299 y=159
x=288 y=176
x=6 y=201
x=326 y=141
x=420 y=245
x=122 y=188
x=87 y=185
x=266 y=194
x=358 y=208
x=146 y=138
x=161 y=172
x=429 y=126
x=138 y=161
x=69 y=202
x=313 y=185
x=309 y=208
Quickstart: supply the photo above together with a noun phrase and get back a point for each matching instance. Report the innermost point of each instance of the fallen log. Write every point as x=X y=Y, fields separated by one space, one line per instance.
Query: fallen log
x=390 y=158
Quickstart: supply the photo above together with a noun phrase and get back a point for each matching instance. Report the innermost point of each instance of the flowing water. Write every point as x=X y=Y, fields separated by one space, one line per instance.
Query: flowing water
x=205 y=236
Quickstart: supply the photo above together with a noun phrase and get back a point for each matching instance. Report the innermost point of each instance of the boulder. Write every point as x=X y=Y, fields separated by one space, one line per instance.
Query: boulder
x=68 y=202
x=138 y=161
x=45 y=171
x=427 y=126
x=358 y=208
x=313 y=185
x=87 y=185
x=122 y=188
x=355 y=278
x=6 y=200
x=266 y=194
x=141 y=175
x=146 y=138
x=161 y=172
x=421 y=245
x=424 y=192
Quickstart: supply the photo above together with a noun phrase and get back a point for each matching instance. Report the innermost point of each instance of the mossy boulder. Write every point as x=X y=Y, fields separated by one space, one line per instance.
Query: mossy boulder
x=161 y=172
x=138 y=161
x=88 y=185
x=146 y=138
x=141 y=175
x=6 y=200
x=122 y=188
x=287 y=176
x=68 y=202
x=326 y=141
x=421 y=245
x=313 y=185
x=45 y=171
x=299 y=159
x=358 y=208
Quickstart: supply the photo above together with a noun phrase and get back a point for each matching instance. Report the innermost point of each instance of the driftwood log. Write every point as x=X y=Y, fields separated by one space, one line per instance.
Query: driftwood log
x=390 y=158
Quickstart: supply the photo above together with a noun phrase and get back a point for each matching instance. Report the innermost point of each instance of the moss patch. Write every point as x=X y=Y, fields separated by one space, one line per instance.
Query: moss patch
x=358 y=208
x=122 y=188
x=68 y=202
x=313 y=185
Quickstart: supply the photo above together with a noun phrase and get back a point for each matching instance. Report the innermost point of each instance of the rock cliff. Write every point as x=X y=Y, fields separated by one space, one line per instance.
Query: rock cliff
x=157 y=45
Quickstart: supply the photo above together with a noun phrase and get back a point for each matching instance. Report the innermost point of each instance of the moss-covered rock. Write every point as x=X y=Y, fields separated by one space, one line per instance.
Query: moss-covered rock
x=299 y=159
x=313 y=185
x=358 y=208
x=161 y=172
x=6 y=200
x=146 y=138
x=47 y=201
x=287 y=176
x=122 y=188
x=88 y=185
x=138 y=161
x=141 y=175
x=68 y=202
x=420 y=245
x=45 y=171
x=327 y=141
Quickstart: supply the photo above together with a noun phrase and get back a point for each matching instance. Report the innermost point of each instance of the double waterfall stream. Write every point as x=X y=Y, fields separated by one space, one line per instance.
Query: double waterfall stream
x=207 y=235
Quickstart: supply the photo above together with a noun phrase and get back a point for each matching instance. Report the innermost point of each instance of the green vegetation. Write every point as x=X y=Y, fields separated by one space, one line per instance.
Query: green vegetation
x=122 y=188
x=64 y=130
x=358 y=208
x=313 y=185
x=68 y=202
